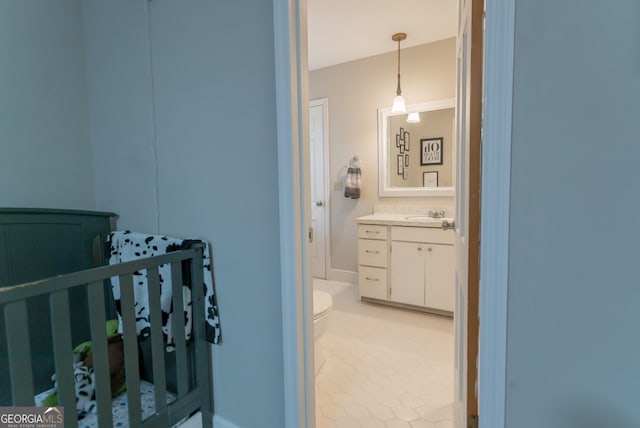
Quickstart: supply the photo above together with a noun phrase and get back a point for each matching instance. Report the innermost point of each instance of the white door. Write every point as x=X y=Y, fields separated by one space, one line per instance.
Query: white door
x=461 y=244
x=318 y=131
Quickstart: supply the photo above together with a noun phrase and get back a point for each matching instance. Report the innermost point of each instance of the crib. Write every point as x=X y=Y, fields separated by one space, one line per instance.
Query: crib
x=68 y=300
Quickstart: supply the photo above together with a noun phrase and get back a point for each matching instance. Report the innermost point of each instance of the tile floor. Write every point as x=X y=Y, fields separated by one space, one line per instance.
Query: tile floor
x=385 y=367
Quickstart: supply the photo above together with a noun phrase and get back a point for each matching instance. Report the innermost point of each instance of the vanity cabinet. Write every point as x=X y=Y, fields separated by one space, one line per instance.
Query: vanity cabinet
x=420 y=274
x=422 y=271
x=373 y=257
x=407 y=266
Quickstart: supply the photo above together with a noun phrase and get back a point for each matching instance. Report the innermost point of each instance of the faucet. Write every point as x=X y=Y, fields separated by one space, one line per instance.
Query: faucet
x=436 y=213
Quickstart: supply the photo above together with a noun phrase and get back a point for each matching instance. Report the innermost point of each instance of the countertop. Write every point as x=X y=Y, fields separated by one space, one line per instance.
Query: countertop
x=403 y=220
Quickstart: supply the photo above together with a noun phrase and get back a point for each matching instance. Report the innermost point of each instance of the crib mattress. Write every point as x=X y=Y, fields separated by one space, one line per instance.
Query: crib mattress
x=119 y=406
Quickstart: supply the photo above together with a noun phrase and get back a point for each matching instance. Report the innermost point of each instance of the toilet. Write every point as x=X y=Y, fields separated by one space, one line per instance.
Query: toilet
x=322 y=304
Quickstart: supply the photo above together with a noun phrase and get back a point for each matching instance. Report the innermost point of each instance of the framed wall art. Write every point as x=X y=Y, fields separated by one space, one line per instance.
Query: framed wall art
x=431 y=151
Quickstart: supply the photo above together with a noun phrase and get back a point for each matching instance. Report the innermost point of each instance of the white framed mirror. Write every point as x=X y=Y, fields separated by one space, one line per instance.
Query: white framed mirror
x=417 y=159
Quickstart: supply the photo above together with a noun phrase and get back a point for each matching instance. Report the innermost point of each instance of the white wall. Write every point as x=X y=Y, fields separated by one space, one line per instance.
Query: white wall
x=216 y=172
x=45 y=155
x=355 y=91
x=573 y=347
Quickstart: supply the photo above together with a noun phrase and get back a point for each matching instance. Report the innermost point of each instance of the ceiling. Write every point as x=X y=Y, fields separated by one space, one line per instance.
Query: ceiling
x=346 y=30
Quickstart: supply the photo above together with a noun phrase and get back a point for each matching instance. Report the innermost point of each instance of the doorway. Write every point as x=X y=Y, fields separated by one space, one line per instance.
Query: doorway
x=293 y=18
x=354 y=115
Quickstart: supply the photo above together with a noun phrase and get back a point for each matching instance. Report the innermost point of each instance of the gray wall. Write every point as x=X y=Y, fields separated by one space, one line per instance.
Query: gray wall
x=216 y=171
x=121 y=106
x=45 y=155
x=355 y=91
x=573 y=347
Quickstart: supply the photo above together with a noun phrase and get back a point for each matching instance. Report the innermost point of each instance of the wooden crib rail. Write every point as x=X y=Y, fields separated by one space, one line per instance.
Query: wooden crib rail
x=13 y=299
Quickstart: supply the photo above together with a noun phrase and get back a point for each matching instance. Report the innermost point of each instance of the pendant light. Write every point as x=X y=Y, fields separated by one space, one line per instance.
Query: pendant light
x=413 y=117
x=398 y=102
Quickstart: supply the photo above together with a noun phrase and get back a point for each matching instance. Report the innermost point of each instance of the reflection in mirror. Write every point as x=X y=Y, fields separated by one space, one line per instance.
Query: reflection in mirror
x=416 y=159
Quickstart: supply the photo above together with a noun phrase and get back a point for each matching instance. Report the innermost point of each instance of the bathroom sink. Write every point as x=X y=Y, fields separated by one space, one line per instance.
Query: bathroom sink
x=422 y=218
x=444 y=222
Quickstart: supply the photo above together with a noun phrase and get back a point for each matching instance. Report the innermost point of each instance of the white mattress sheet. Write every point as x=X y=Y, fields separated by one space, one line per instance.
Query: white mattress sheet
x=119 y=408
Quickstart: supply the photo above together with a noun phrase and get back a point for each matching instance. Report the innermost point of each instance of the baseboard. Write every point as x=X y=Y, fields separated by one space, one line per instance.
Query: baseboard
x=194 y=421
x=342 y=276
x=220 y=422
x=431 y=311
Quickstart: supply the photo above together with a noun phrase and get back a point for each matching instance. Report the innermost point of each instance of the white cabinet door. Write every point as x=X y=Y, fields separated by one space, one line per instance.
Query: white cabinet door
x=407 y=273
x=439 y=292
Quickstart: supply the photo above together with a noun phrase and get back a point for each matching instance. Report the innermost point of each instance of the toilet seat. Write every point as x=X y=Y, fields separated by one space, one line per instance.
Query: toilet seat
x=322 y=304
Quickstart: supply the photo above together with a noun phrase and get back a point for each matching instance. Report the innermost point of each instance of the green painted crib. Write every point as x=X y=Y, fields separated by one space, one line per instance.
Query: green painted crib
x=55 y=293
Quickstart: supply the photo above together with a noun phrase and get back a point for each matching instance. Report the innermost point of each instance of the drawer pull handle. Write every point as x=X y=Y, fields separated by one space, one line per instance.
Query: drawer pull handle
x=448 y=225
x=372 y=279
x=372 y=252
x=372 y=231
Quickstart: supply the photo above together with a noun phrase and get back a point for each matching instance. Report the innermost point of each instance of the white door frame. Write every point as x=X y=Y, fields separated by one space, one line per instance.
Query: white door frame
x=292 y=120
x=290 y=36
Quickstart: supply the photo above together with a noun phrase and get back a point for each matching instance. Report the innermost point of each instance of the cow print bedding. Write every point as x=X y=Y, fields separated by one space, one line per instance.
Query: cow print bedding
x=126 y=246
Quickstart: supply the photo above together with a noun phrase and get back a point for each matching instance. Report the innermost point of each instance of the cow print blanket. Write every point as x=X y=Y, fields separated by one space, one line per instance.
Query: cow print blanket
x=126 y=246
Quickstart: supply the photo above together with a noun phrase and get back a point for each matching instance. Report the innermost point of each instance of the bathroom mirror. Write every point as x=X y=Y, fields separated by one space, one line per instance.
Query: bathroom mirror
x=417 y=159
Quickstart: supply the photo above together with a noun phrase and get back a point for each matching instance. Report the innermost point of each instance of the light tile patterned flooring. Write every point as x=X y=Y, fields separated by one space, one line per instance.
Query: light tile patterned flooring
x=385 y=367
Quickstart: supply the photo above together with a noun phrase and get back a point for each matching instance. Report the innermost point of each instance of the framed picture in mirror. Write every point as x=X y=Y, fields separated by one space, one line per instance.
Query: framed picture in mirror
x=431 y=151
x=430 y=179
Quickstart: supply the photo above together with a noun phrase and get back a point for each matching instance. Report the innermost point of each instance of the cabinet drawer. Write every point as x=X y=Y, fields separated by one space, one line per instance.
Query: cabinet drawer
x=372 y=282
x=422 y=234
x=372 y=253
x=372 y=231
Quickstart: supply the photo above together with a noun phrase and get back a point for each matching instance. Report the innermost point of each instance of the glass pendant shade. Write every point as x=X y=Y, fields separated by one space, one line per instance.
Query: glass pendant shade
x=398 y=105
x=413 y=117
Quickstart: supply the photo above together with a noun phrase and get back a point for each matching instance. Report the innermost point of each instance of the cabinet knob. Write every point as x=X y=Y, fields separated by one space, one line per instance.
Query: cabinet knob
x=429 y=249
x=419 y=248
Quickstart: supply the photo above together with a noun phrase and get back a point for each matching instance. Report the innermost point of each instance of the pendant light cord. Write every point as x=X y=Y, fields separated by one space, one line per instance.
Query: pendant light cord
x=398 y=91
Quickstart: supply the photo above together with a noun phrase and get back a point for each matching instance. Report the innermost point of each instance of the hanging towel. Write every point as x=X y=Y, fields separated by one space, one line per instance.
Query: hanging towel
x=352 y=185
x=126 y=246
